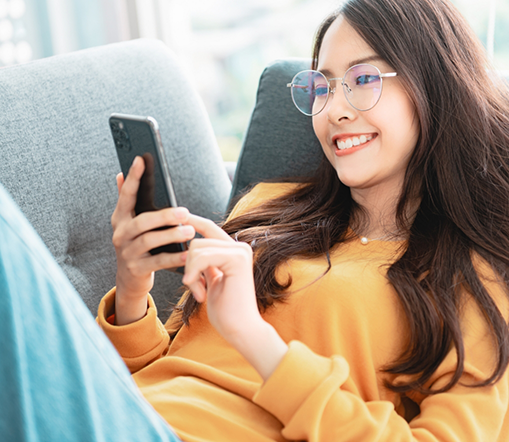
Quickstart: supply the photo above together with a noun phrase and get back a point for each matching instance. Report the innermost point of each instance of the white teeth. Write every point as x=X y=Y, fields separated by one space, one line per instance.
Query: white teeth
x=355 y=141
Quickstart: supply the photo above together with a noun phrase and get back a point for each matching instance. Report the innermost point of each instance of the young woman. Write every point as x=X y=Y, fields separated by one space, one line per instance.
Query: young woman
x=368 y=304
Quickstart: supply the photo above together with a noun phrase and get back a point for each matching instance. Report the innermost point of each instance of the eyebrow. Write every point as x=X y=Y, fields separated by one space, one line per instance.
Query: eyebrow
x=367 y=59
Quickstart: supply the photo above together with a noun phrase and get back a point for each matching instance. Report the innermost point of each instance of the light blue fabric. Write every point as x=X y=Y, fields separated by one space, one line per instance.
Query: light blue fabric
x=60 y=377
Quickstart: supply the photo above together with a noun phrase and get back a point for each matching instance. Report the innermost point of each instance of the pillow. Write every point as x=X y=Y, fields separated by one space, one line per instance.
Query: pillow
x=280 y=141
x=58 y=157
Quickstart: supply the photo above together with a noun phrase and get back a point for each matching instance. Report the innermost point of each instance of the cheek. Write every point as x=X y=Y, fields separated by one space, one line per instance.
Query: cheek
x=316 y=125
x=409 y=129
x=320 y=129
x=399 y=122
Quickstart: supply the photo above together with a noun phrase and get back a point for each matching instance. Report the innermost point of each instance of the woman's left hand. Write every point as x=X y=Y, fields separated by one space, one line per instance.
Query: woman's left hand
x=219 y=271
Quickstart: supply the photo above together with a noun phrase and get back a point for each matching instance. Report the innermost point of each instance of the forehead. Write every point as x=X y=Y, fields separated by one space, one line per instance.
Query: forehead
x=342 y=47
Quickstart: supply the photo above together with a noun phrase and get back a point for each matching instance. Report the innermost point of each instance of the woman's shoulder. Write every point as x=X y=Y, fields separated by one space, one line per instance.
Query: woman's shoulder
x=260 y=194
x=493 y=282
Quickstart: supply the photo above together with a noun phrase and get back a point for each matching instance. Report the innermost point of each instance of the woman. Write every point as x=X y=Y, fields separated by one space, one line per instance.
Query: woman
x=379 y=303
x=367 y=304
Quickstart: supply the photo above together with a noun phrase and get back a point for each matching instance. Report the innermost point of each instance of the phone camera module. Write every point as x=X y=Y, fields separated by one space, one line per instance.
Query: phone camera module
x=120 y=135
x=123 y=144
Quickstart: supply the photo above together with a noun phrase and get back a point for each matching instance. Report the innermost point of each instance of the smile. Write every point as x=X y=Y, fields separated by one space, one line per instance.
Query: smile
x=353 y=142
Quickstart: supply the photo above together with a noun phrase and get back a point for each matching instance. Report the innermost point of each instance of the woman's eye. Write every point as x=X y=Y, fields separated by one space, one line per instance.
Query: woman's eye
x=320 y=90
x=366 y=79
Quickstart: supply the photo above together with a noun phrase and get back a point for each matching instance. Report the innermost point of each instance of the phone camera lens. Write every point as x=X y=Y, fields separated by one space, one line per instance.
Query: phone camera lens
x=123 y=145
x=120 y=135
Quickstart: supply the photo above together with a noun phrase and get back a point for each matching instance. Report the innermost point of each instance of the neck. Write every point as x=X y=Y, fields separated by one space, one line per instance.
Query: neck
x=378 y=215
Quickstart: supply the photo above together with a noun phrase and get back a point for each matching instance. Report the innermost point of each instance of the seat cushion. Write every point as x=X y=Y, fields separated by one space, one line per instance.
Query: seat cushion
x=280 y=141
x=59 y=161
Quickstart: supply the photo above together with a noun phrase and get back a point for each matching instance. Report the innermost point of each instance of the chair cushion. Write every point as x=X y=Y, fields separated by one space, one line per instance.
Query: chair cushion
x=59 y=161
x=280 y=141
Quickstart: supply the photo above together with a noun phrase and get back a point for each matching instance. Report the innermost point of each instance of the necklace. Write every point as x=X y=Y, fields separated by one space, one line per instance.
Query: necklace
x=365 y=240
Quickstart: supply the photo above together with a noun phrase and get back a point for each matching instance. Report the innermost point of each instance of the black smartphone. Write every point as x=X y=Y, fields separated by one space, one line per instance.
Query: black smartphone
x=139 y=136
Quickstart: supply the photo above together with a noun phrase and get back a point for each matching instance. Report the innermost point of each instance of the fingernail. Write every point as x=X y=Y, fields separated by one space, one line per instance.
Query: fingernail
x=181 y=212
x=183 y=256
x=187 y=230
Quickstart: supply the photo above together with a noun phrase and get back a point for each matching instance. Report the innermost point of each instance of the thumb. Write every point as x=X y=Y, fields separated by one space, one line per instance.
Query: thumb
x=120 y=181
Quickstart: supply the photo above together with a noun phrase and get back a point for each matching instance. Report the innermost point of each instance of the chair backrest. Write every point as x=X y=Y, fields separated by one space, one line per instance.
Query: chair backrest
x=58 y=159
x=280 y=141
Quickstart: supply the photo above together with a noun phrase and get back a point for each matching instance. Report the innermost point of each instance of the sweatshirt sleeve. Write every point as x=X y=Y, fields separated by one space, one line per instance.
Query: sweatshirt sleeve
x=316 y=400
x=139 y=343
x=146 y=340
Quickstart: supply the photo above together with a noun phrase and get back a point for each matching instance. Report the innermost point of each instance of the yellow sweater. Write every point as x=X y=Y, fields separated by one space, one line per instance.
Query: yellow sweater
x=342 y=329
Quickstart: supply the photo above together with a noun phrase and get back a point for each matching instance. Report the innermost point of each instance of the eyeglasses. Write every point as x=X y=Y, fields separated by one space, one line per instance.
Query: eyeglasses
x=362 y=85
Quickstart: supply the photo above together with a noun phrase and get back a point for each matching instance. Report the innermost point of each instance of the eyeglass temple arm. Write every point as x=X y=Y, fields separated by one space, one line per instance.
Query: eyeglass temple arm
x=389 y=74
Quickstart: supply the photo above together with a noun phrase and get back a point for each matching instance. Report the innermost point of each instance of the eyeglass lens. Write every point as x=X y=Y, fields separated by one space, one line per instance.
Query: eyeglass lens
x=362 y=86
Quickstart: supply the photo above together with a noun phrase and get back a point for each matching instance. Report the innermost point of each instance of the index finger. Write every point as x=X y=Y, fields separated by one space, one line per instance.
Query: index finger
x=207 y=228
x=129 y=190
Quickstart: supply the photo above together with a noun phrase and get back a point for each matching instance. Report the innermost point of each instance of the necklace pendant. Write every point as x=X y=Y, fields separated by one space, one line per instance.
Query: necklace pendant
x=364 y=240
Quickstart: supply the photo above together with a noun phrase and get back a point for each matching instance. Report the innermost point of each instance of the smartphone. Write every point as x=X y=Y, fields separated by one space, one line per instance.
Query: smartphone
x=139 y=136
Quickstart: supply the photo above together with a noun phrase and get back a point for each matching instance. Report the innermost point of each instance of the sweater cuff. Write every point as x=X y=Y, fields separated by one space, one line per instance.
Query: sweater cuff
x=139 y=342
x=297 y=376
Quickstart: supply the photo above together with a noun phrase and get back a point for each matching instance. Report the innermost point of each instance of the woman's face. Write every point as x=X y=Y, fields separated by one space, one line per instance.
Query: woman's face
x=391 y=127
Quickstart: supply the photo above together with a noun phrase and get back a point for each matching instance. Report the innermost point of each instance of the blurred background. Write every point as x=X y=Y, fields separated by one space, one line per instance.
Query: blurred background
x=224 y=44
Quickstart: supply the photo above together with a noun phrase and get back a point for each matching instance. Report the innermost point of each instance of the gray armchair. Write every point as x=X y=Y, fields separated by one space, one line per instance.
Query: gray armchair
x=59 y=164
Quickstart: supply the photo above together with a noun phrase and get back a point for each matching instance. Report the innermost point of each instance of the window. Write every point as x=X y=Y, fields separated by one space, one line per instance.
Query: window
x=225 y=43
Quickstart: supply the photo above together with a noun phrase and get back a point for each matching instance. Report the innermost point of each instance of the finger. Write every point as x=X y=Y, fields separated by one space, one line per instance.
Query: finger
x=225 y=259
x=208 y=228
x=210 y=275
x=127 y=195
x=199 y=288
x=153 y=263
x=202 y=243
x=120 y=181
x=170 y=217
x=146 y=222
x=153 y=239
x=199 y=291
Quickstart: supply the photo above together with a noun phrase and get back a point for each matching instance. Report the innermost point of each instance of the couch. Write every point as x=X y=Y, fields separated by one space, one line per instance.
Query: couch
x=59 y=163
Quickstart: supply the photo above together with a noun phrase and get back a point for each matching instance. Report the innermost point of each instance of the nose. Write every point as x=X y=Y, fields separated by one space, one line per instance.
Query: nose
x=338 y=108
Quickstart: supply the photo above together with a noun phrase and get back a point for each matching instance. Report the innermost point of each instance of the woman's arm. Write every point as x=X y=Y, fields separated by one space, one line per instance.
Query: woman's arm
x=316 y=400
x=133 y=237
x=219 y=272
x=140 y=342
x=128 y=314
x=313 y=396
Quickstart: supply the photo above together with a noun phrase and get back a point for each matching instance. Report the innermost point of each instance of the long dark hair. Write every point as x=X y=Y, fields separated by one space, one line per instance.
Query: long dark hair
x=460 y=169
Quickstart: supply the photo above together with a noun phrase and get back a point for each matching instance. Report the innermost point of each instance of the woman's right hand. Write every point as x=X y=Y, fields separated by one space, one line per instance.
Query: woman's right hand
x=133 y=237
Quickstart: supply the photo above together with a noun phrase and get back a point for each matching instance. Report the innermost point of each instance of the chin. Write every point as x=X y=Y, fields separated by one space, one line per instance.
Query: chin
x=350 y=181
